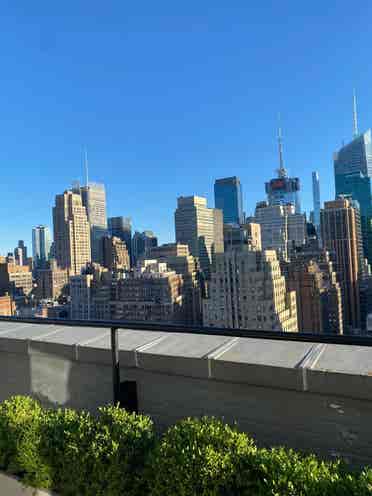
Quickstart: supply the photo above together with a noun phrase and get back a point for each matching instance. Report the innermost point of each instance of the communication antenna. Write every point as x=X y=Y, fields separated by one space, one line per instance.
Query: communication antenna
x=86 y=166
x=355 y=114
x=281 y=171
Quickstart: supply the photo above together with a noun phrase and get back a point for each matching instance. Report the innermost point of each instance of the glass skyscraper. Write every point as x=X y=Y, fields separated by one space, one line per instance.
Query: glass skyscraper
x=41 y=246
x=316 y=201
x=353 y=174
x=228 y=197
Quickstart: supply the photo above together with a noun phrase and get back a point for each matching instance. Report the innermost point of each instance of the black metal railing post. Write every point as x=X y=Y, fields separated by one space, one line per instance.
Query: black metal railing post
x=115 y=364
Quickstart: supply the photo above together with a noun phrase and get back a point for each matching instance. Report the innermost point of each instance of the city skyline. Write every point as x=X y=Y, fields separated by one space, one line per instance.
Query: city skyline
x=178 y=115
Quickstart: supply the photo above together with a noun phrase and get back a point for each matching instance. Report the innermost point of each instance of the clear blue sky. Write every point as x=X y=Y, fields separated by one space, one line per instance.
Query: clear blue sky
x=168 y=96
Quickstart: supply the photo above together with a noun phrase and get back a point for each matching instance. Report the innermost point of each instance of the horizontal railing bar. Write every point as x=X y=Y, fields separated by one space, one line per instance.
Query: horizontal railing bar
x=209 y=331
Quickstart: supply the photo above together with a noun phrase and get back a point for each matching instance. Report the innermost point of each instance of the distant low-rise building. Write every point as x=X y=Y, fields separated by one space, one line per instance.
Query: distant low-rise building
x=7 y=307
x=51 y=282
x=151 y=293
x=16 y=280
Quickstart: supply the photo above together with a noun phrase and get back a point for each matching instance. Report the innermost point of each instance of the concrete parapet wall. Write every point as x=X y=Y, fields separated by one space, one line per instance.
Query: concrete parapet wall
x=313 y=397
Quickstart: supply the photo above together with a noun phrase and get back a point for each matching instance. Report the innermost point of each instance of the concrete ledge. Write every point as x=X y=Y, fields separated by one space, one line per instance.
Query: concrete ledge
x=180 y=354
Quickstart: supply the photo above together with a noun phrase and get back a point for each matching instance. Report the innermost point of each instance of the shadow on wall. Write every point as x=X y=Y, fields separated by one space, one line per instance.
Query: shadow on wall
x=55 y=380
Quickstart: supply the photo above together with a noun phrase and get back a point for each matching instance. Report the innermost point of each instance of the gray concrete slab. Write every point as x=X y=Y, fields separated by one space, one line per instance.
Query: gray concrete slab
x=99 y=350
x=181 y=354
x=343 y=370
x=261 y=362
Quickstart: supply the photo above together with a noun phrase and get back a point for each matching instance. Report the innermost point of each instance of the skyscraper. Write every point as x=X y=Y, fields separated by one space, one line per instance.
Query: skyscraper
x=94 y=200
x=353 y=173
x=228 y=198
x=316 y=201
x=71 y=232
x=121 y=227
x=283 y=189
x=281 y=228
x=142 y=243
x=341 y=237
x=201 y=228
x=41 y=246
x=20 y=253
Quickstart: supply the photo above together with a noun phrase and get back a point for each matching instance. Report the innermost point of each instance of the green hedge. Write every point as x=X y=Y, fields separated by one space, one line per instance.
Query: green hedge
x=117 y=454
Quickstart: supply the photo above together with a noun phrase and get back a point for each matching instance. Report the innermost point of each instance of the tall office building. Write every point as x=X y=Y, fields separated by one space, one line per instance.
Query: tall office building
x=142 y=243
x=282 y=229
x=248 y=291
x=228 y=198
x=121 y=227
x=316 y=202
x=20 y=253
x=235 y=235
x=341 y=237
x=71 y=232
x=353 y=174
x=41 y=245
x=318 y=294
x=94 y=200
x=201 y=228
x=115 y=255
x=283 y=189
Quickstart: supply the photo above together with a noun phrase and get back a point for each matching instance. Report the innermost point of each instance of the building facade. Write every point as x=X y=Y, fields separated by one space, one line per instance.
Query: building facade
x=7 y=307
x=282 y=229
x=52 y=282
x=318 y=295
x=115 y=256
x=341 y=237
x=121 y=227
x=316 y=202
x=94 y=200
x=228 y=197
x=201 y=228
x=71 y=233
x=15 y=280
x=150 y=293
x=248 y=291
x=41 y=245
x=353 y=173
x=178 y=258
x=142 y=243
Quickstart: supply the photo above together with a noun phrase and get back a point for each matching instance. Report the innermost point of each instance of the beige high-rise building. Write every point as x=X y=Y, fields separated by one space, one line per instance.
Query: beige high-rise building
x=281 y=228
x=248 y=291
x=318 y=294
x=341 y=236
x=93 y=196
x=71 y=232
x=177 y=257
x=201 y=228
x=115 y=254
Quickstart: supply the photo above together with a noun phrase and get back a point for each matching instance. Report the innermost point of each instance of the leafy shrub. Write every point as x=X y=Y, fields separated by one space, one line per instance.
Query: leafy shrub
x=66 y=444
x=200 y=457
x=103 y=456
x=117 y=454
x=122 y=443
x=20 y=420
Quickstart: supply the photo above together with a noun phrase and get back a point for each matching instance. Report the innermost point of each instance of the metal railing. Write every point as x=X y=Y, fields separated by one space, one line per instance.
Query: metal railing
x=115 y=326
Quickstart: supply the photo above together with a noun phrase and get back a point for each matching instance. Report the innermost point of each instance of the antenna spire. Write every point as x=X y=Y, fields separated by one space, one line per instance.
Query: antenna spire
x=282 y=170
x=86 y=166
x=355 y=115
